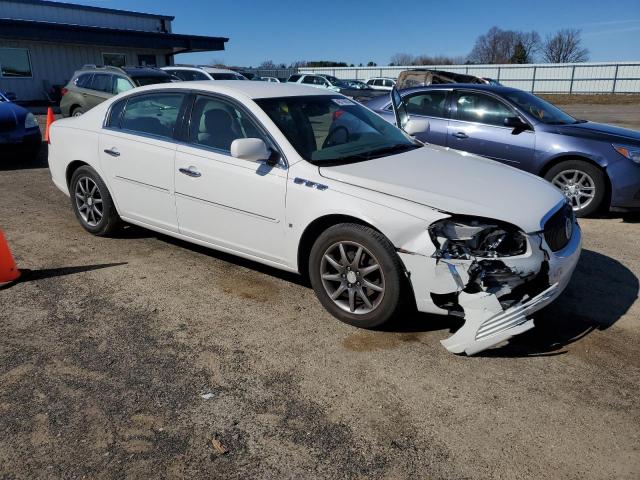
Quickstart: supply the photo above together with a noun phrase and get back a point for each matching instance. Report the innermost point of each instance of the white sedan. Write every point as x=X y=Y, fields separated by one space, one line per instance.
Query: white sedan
x=309 y=181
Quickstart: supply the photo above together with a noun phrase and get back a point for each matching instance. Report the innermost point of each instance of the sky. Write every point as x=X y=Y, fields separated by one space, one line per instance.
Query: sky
x=358 y=32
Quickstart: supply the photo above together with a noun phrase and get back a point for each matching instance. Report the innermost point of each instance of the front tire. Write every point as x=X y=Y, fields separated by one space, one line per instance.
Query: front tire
x=582 y=183
x=92 y=202
x=356 y=274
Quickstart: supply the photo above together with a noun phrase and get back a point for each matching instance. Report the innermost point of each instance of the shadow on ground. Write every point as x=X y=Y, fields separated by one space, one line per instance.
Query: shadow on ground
x=35 y=275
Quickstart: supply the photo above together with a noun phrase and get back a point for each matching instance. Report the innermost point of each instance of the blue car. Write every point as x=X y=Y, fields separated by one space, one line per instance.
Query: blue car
x=596 y=166
x=19 y=130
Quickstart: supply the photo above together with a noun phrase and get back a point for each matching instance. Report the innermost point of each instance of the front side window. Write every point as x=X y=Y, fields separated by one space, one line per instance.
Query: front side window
x=216 y=124
x=121 y=85
x=15 y=63
x=154 y=114
x=540 y=109
x=388 y=83
x=309 y=79
x=327 y=129
x=430 y=104
x=481 y=108
x=151 y=80
x=102 y=82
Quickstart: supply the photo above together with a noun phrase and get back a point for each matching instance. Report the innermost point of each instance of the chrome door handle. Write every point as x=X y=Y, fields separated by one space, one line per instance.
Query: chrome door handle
x=191 y=172
x=112 y=151
x=460 y=135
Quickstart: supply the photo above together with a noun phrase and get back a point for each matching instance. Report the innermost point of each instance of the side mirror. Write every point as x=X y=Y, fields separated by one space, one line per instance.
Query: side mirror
x=416 y=125
x=250 y=149
x=515 y=123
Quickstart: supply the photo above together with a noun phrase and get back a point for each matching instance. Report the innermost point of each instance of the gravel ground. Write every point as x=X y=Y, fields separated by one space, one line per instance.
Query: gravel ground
x=108 y=346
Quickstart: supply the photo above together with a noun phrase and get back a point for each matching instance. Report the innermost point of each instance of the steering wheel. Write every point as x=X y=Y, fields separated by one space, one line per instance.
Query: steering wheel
x=337 y=136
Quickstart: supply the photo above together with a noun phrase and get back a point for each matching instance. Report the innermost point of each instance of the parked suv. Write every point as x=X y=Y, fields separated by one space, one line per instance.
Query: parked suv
x=92 y=85
x=321 y=81
x=381 y=83
x=203 y=73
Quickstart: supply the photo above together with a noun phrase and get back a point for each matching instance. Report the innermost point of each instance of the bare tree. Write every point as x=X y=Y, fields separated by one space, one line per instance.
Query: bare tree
x=401 y=59
x=267 y=65
x=299 y=64
x=565 y=46
x=499 y=46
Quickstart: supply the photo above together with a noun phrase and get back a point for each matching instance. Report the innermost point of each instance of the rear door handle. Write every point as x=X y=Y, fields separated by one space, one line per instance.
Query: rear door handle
x=460 y=135
x=112 y=151
x=191 y=172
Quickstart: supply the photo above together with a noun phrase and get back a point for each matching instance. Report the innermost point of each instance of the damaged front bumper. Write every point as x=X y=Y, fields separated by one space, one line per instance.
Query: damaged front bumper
x=495 y=297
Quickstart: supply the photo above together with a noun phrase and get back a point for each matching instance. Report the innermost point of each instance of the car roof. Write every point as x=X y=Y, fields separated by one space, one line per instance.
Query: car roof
x=198 y=68
x=252 y=90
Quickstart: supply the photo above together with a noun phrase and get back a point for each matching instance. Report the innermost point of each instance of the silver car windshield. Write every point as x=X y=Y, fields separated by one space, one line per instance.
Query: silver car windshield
x=540 y=109
x=333 y=129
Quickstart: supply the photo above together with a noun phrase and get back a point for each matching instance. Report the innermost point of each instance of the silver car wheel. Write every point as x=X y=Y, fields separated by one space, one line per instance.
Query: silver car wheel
x=89 y=201
x=77 y=114
x=577 y=186
x=352 y=277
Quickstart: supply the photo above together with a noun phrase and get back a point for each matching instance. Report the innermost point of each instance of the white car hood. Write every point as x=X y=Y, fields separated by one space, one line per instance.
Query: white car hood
x=455 y=182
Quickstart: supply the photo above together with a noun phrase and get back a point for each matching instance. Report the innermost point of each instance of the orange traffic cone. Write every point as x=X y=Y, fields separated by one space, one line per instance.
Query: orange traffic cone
x=8 y=270
x=50 y=120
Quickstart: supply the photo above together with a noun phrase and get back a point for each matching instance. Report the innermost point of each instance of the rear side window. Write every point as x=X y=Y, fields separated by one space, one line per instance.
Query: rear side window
x=388 y=83
x=115 y=113
x=430 y=104
x=226 y=76
x=294 y=78
x=309 y=79
x=102 y=82
x=153 y=114
x=152 y=80
x=83 y=81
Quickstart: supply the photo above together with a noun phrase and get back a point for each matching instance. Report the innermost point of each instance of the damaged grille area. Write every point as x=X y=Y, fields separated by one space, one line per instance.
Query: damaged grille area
x=559 y=228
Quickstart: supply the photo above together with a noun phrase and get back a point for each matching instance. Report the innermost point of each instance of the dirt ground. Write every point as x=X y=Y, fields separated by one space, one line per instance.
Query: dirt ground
x=108 y=346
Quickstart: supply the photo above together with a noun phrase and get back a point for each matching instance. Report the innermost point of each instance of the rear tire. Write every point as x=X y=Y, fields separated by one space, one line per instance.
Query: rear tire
x=77 y=112
x=92 y=202
x=582 y=183
x=362 y=289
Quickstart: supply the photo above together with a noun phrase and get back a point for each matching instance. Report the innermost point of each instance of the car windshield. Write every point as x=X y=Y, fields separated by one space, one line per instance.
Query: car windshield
x=334 y=130
x=227 y=76
x=541 y=110
x=142 y=81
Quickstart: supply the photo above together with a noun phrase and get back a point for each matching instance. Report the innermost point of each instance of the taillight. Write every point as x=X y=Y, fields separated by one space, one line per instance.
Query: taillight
x=337 y=114
x=64 y=91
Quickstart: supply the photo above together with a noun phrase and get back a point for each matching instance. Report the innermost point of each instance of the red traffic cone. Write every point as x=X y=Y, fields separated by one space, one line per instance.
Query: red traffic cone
x=50 y=120
x=8 y=270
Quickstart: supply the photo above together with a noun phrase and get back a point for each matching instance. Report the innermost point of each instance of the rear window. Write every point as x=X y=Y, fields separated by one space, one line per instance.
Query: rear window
x=152 y=80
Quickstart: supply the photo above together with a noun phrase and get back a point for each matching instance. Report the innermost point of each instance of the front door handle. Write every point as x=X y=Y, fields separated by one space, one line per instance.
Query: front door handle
x=191 y=172
x=460 y=135
x=112 y=151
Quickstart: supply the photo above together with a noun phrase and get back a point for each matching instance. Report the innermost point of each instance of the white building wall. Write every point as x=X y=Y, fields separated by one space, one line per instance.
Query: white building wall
x=46 y=13
x=55 y=64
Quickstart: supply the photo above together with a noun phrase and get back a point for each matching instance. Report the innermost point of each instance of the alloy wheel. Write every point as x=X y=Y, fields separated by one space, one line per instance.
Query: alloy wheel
x=352 y=277
x=577 y=186
x=89 y=201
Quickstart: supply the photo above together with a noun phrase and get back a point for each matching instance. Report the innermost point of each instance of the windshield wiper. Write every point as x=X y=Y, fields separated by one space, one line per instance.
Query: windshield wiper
x=391 y=149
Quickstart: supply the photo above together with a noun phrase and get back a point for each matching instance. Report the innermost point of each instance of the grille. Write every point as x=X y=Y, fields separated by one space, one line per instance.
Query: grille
x=559 y=228
x=7 y=125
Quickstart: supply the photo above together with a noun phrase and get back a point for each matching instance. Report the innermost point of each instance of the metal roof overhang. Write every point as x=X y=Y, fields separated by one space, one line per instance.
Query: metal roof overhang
x=113 y=37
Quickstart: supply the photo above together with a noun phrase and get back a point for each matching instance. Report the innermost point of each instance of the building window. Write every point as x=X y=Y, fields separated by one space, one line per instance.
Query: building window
x=114 y=59
x=145 y=60
x=15 y=63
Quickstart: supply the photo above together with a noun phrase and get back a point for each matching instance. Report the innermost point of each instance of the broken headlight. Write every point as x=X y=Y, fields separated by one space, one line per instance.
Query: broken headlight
x=469 y=237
